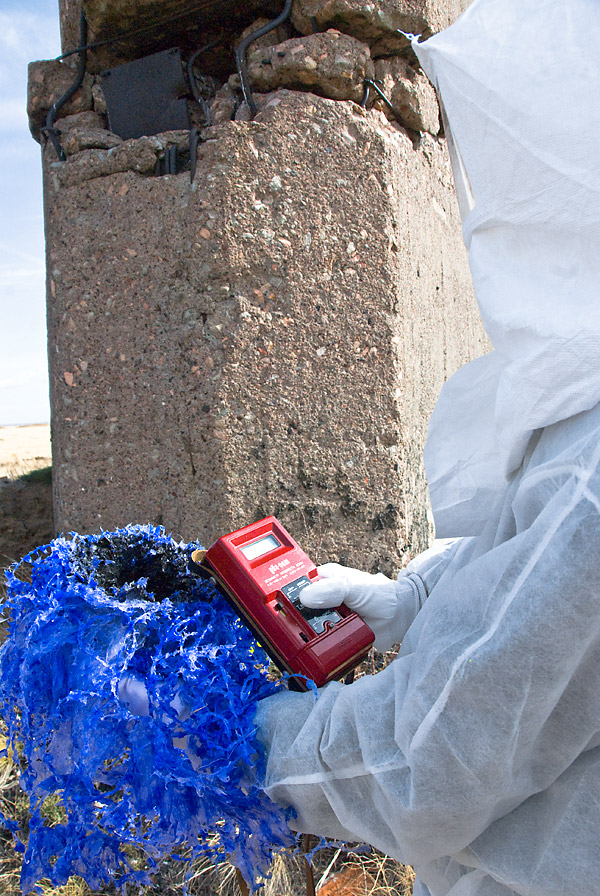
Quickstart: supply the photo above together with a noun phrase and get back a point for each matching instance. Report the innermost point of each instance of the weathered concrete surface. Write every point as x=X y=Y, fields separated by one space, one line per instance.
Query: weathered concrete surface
x=47 y=82
x=330 y=64
x=377 y=22
x=276 y=36
x=159 y=24
x=410 y=93
x=95 y=157
x=327 y=47
x=147 y=26
x=270 y=339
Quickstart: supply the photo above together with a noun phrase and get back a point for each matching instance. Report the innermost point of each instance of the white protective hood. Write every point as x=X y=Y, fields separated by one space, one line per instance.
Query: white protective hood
x=519 y=81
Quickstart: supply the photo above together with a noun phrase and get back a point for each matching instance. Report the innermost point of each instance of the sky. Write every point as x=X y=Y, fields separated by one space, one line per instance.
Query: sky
x=29 y=30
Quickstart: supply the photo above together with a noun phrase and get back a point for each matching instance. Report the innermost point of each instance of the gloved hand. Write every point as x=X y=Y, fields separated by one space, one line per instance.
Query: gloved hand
x=388 y=607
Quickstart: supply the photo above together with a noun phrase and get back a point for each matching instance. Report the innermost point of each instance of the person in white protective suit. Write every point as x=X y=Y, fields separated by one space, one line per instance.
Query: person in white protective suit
x=475 y=755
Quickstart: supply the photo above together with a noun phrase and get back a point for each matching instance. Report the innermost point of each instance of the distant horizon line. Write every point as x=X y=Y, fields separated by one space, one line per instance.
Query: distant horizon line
x=16 y=425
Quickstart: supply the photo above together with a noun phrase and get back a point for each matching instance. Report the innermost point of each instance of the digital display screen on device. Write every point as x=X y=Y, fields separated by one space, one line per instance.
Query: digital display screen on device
x=258 y=548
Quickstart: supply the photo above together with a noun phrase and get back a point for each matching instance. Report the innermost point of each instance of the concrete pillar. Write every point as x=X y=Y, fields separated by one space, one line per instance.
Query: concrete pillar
x=267 y=338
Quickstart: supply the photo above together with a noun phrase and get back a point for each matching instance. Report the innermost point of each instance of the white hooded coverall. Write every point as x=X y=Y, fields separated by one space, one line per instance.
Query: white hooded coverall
x=475 y=755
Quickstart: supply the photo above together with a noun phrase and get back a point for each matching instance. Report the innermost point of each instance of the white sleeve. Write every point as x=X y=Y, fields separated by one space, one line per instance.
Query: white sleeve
x=431 y=564
x=492 y=697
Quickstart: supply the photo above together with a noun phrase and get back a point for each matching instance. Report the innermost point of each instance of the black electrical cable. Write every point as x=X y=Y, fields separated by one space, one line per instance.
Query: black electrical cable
x=194 y=141
x=365 y=98
x=49 y=130
x=193 y=85
x=195 y=132
x=240 y=53
x=368 y=83
x=190 y=69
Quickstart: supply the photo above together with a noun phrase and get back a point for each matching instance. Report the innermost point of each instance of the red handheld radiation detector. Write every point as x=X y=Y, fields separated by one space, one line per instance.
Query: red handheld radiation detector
x=261 y=570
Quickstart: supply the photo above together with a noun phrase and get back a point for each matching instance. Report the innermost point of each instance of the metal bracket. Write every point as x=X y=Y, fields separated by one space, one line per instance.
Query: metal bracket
x=147 y=96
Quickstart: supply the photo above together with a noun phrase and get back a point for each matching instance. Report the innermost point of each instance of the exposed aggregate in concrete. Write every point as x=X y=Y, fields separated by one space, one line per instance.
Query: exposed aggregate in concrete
x=271 y=337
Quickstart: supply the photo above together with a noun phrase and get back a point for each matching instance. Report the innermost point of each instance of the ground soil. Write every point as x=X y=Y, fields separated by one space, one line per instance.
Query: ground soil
x=26 y=517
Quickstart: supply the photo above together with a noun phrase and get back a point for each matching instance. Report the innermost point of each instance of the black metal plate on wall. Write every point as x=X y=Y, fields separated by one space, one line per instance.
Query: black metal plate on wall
x=143 y=96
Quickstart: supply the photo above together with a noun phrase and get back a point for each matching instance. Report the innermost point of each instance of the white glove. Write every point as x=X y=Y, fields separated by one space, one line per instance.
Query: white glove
x=388 y=607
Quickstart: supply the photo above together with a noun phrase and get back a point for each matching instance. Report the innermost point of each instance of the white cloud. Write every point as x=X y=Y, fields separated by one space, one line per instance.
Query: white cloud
x=21 y=32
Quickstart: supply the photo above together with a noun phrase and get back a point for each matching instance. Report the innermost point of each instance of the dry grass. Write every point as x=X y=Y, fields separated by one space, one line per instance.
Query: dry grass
x=377 y=875
x=26 y=469
x=24 y=449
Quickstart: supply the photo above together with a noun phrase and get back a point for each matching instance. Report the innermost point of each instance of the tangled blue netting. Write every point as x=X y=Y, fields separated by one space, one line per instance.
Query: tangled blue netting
x=106 y=608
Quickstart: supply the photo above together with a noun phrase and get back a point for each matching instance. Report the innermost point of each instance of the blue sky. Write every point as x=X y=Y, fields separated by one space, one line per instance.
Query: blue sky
x=29 y=30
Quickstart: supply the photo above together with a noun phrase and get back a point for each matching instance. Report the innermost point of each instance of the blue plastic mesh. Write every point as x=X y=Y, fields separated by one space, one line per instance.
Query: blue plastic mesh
x=124 y=604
